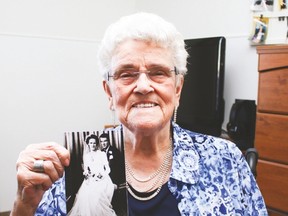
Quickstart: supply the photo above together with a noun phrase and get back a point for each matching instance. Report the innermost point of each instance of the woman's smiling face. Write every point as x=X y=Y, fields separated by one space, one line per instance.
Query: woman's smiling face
x=143 y=100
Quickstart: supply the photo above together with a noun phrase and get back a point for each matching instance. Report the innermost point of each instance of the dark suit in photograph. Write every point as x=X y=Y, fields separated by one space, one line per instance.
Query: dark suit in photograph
x=117 y=173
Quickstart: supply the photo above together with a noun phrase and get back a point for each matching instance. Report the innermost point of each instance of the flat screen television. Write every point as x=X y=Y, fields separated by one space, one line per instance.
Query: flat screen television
x=201 y=107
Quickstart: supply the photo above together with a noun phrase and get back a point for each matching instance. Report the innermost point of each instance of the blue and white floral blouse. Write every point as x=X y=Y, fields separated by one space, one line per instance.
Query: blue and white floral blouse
x=209 y=177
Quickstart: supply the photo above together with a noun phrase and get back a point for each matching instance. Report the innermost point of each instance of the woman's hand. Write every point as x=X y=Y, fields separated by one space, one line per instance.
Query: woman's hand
x=31 y=183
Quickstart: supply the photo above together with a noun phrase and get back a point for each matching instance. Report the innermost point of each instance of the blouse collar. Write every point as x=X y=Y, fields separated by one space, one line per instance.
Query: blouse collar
x=185 y=165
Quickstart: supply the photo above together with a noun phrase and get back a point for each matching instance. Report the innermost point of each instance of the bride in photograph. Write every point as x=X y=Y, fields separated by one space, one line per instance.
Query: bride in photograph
x=95 y=194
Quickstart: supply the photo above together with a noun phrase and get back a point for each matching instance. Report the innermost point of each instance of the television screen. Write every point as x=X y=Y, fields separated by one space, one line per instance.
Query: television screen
x=201 y=106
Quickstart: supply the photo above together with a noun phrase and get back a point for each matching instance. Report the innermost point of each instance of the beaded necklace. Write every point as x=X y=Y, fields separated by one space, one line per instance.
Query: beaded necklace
x=161 y=172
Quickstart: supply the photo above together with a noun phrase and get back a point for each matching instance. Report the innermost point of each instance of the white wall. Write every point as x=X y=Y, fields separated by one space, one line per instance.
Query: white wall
x=86 y=19
x=48 y=78
x=199 y=19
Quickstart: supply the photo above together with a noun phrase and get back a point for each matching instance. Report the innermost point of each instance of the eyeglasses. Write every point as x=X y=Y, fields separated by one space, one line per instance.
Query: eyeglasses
x=129 y=76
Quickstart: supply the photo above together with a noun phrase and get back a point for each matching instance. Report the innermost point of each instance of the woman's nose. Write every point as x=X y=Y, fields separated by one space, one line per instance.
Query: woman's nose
x=143 y=84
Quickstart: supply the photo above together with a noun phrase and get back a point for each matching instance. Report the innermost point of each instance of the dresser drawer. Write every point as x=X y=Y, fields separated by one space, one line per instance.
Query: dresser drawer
x=271 y=138
x=272 y=181
x=273 y=91
x=272 y=57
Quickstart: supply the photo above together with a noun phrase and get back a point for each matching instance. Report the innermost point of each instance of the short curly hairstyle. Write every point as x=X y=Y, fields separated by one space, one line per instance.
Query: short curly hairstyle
x=92 y=136
x=145 y=27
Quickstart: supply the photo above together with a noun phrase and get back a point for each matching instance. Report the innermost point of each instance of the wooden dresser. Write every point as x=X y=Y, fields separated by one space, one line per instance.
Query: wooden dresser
x=271 y=134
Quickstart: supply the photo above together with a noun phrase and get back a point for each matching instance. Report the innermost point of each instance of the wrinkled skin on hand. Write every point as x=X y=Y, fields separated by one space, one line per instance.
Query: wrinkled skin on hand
x=32 y=185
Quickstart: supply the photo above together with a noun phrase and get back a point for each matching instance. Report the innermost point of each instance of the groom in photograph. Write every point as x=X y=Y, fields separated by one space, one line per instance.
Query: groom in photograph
x=113 y=156
x=117 y=173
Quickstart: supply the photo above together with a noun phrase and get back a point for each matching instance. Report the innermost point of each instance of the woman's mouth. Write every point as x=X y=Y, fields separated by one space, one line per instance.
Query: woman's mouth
x=144 y=105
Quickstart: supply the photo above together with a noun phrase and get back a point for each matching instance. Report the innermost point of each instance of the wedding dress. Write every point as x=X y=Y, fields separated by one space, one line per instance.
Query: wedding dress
x=95 y=194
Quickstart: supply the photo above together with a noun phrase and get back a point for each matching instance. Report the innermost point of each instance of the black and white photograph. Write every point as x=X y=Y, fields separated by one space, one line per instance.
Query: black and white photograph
x=95 y=178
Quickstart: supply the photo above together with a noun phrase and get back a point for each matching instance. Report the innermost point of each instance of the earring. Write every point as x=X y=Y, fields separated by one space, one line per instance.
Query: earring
x=113 y=116
x=175 y=114
x=112 y=108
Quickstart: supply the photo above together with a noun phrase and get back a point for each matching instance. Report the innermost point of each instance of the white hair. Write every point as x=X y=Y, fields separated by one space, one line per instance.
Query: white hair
x=146 y=27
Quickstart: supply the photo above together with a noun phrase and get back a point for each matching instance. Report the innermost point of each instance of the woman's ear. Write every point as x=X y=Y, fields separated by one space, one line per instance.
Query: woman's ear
x=107 y=90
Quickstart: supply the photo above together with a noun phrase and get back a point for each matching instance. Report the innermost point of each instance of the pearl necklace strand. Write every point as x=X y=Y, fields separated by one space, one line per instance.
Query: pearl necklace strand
x=161 y=172
x=152 y=176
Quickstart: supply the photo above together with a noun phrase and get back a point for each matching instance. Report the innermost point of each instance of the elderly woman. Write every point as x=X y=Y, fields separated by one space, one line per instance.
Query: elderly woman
x=169 y=170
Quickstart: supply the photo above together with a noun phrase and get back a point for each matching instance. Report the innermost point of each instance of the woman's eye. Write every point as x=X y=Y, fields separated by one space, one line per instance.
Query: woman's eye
x=158 y=73
x=127 y=75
